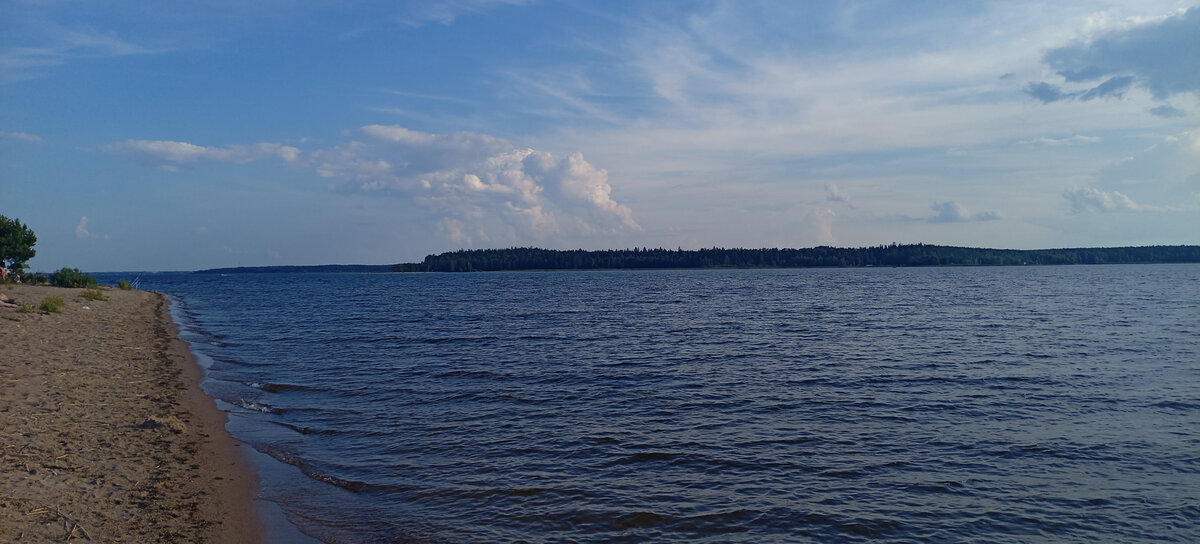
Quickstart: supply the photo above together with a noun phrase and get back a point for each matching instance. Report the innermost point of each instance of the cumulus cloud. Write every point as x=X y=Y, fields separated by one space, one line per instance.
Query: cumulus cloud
x=482 y=188
x=823 y=221
x=173 y=153
x=953 y=212
x=479 y=187
x=23 y=136
x=1092 y=199
x=834 y=194
x=1160 y=56
x=81 y=230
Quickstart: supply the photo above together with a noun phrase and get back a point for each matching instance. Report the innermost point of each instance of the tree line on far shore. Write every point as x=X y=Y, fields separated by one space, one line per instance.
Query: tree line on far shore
x=519 y=258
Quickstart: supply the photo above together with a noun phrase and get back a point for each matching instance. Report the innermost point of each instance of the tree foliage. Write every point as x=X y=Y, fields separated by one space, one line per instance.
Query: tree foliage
x=72 y=277
x=824 y=256
x=16 y=244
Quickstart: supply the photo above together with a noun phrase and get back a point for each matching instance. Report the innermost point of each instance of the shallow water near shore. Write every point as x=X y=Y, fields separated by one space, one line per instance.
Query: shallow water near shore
x=1008 y=404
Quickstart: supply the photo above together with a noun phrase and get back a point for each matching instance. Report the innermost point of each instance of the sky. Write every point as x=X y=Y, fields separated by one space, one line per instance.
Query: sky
x=175 y=135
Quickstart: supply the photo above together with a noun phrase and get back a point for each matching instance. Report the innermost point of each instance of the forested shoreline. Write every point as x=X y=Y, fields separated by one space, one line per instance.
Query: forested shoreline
x=518 y=258
x=824 y=256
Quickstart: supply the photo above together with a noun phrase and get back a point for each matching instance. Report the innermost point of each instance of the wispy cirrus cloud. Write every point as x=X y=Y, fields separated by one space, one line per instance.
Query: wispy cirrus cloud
x=738 y=79
x=23 y=136
x=417 y=13
x=47 y=44
x=1087 y=199
x=1075 y=139
x=39 y=36
x=170 y=153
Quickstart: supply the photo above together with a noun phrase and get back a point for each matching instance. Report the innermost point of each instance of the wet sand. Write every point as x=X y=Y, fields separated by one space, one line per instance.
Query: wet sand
x=105 y=434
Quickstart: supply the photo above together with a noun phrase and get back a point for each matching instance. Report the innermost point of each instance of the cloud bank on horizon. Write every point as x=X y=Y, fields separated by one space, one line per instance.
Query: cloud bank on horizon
x=363 y=132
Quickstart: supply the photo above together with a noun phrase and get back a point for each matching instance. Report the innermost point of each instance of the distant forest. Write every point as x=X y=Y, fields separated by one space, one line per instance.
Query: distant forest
x=528 y=258
x=322 y=269
x=884 y=255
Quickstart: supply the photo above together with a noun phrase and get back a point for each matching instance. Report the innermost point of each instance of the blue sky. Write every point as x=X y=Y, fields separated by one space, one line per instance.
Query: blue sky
x=184 y=135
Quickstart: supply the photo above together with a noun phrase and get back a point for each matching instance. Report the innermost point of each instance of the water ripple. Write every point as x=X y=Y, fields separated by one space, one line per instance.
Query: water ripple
x=1037 y=404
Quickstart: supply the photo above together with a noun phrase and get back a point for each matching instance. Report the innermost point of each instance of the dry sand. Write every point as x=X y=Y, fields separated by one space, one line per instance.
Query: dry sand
x=105 y=435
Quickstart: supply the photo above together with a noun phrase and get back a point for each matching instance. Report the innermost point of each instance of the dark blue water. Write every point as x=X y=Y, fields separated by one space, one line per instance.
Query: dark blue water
x=1031 y=404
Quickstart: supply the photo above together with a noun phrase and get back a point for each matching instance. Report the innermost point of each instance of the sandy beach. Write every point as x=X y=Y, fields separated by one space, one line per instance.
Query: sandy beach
x=105 y=434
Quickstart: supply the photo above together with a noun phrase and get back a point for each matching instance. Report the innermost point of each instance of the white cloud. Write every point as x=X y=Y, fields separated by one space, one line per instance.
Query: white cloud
x=953 y=212
x=479 y=187
x=23 y=136
x=738 y=81
x=823 y=221
x=1069 y=140
x=1092 y=199
x=835 y=194
x=420 y=12
x=81 y=230
x=1164 y=172
x=172 y=152
x=53 y=44
x=1160 y=54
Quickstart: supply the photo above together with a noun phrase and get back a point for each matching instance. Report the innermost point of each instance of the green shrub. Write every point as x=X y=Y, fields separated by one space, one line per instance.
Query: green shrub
x=93 y=294
x=124 y=285
x=24 y=308
x=52 y=305
x=72 y=277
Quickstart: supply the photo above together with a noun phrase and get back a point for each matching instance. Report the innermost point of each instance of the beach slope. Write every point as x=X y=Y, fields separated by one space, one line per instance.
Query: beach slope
x=105 y=434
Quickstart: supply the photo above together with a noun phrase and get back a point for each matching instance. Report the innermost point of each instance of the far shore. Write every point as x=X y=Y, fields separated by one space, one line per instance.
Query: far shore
x=105 y=434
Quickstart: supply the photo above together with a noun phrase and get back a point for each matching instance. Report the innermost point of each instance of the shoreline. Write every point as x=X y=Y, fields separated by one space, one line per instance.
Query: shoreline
x=105 y=433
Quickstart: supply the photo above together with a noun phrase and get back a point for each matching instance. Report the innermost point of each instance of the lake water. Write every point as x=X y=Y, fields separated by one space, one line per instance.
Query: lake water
x=1014 y=404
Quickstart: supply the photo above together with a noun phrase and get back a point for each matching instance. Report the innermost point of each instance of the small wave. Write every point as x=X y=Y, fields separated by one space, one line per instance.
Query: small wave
x=279 y=387
x=310 y=470
x=843 y=473
x=458 y=373
x=646 y=457
x=457 y=339
x=1090 y=453
x=236 y=362
x=638 y=520
x=352 y=485
x=945 y=486
x=1176 y=405
x=257 y=406
x=489 y=494
x=308 y=430
x=591 y=521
